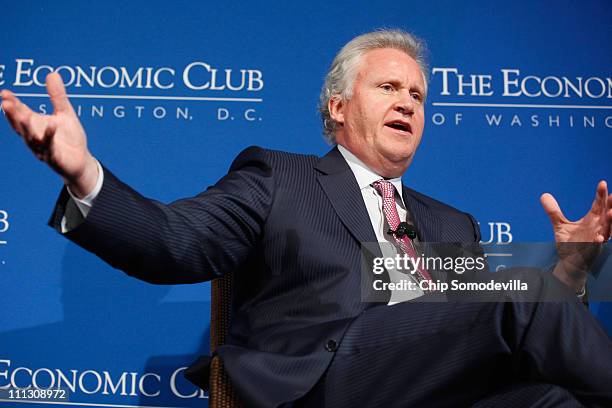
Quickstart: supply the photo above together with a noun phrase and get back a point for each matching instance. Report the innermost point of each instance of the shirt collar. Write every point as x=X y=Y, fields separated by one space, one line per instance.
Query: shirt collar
x=364 y=175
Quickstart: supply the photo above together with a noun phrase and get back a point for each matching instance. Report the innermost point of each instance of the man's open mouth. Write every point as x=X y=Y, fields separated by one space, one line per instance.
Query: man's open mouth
x=399 y=125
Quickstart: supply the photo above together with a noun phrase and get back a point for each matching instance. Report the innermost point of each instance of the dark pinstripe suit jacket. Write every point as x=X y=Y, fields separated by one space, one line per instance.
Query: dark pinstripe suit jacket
x=290 y=227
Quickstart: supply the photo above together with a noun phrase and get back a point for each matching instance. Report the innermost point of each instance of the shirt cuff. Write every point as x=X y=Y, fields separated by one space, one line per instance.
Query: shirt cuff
x=84 y=204
x=77 y=209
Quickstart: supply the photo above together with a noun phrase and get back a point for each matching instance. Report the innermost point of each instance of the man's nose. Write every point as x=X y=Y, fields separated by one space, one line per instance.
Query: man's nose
x=405 y=105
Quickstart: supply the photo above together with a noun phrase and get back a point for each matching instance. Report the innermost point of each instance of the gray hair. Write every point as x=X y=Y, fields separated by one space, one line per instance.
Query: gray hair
x=343 y=70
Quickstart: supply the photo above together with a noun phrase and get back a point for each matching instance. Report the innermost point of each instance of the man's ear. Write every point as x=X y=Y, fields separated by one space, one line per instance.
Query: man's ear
x=336 y=109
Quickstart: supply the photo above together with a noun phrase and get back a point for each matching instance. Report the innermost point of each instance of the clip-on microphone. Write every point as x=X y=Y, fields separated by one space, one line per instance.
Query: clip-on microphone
x=404 y=229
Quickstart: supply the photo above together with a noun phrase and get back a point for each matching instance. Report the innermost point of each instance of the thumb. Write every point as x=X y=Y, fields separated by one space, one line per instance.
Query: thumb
x=57 y=93
x=552 y=209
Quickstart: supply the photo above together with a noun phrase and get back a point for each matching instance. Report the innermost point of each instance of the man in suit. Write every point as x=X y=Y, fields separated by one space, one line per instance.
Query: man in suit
x=291 y=226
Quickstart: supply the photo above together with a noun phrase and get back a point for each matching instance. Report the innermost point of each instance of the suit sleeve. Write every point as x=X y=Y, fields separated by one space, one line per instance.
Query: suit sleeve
x=476 y=227
x=190 y=240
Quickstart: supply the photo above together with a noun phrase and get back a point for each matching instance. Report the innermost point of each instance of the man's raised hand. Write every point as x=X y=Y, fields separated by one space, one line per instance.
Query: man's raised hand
x=579 y=242
x=58 y=139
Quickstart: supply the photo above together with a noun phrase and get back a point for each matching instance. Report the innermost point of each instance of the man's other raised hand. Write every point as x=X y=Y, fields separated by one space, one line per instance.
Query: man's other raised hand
x=579 y=242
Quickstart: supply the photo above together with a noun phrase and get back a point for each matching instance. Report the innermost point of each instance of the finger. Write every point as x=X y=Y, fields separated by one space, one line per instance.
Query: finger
x=601 y=194
x=18 y=114
x=9 y=101
x=6 y=95
x=552 y=209
x=57 y=93
x=7 y=107
x=26 y=120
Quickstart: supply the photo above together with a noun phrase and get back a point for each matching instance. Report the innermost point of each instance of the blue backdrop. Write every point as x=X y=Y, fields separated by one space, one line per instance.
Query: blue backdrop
x=169 y=92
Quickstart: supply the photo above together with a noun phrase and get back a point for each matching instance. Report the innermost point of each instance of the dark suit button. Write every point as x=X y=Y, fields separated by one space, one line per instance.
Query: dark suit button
x=331 y=345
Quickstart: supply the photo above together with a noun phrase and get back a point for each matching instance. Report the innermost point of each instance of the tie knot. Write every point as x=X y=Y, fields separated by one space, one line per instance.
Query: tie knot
x=385 y=188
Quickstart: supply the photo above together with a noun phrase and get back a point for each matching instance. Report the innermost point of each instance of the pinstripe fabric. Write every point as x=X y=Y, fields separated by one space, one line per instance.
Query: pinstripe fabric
x=418 y=354
x=540 y=395
x=290 y=228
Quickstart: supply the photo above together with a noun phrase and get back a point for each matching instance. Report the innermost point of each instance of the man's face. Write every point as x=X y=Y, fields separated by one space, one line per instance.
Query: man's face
x=383 y=121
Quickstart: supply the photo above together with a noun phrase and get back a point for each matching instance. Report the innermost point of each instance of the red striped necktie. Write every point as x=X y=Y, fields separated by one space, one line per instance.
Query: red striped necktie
x=387 y=191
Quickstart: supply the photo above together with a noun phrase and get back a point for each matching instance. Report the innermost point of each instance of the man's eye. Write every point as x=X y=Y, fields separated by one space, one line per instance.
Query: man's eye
x=417 y=97
x=387 y=87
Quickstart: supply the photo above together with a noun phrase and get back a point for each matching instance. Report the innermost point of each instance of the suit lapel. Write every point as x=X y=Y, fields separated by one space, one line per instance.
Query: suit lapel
x=428 y=226
x=339 y=184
